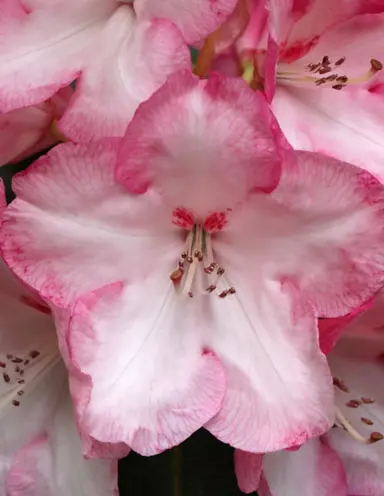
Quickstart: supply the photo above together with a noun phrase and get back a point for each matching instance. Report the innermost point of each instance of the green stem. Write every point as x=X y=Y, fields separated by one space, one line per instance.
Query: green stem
x=176 y=470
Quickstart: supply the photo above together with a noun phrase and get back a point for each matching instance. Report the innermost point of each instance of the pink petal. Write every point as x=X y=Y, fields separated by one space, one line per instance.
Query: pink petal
x=356 y=42
x=72 y=229
x=196 y=19
x=163 y=387
x=337 y=258
x=203 y=144
x=20 y=130
x=52 y=464
x=133 y=61
x=343 y=124
x=44 y=46
x=248 y=470
x=313 y=470
x=279 y=390
x=357 y=362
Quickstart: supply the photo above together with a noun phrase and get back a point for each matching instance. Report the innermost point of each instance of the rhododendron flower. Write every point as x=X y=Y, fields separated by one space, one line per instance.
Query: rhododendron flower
x=322 y=71
x=122 y=56
x=26 y=131
x=40 y=447
x=193 y=282
x=349 y=459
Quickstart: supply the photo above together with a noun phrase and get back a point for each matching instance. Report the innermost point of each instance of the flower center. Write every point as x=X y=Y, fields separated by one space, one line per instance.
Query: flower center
x=328 y=74
x=197 y=271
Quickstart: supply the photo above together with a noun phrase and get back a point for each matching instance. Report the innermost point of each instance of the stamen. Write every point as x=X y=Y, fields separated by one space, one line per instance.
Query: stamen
x=340 y=61
x=367 y=401
x=347 y=426
x=353 y=404
x=340 y=384
x=366 y=421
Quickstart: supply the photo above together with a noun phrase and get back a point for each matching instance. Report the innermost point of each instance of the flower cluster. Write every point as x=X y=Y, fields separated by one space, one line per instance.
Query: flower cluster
x=201 y=246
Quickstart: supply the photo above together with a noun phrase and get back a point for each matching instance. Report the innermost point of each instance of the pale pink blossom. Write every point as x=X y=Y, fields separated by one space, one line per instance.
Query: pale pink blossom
x=349 y=459
x=26 y=131
x=321 y=68
x=40 y=448
x=195 y=191
x=121 y=51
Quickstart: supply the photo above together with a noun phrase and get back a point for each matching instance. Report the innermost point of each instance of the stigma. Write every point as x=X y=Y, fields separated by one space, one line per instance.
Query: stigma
x=329 y=74
x=197 y=271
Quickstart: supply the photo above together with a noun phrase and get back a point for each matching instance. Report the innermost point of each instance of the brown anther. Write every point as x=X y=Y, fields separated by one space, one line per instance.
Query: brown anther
x=196 y=254
x=340 y=61
x=326 y=60
x=231 y=290
x=331 y=78
x=324 y=70
x=208 y=270
x=17 y=360
x=190 y=260
x=213 y=265
x=17 y=368
x=34 y=354
x=15 y=403
x=21 y=372
x=26 y=362
x=220 y=271
x=313 y=67
x=181 y=264
x=9 y=357
x=376 y=65
x=21 y=381
x=2 y=365
x=223 y=294
x=176 y=275
x=342 y=79
x=184 y=255
x=210 y=288
x=340 y=384
x=318 y=82
x=376 y=436
x=190 y=294
x=338 y=86
x=6 y=377
x=367 y=401
x=353 y=404
x=366 y=421
x=200 y=258
x=20 y=393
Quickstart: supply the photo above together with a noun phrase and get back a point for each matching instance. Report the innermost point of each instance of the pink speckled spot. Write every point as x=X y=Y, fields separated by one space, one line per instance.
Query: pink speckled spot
x=215 y=222
x=183 y=218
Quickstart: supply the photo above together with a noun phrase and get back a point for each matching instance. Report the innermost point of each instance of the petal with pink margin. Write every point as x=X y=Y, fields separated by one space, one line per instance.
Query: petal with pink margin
x=163 y=387
x=248 y=470
x=134 y=59
x=203 y=143
x=45 y=45
x=314 y=469
x=279 y=392
x=52 y=464
x=344 y=124
x=72 y=229
x=321 y=227
x=196 y=19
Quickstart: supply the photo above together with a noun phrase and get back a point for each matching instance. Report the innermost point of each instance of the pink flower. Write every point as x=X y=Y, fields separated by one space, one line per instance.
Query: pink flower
x=322 y=70
x=121 y=56
x=349 y=460
x=26 y=131
x=229 y=341
x=40 y=446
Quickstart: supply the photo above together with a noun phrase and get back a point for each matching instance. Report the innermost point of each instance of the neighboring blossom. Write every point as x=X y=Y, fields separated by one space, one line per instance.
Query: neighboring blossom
x=121 y=56
x=26 y=131
x=40 y=449
x=195 y=267
x=349 y=459
x=322 y=69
